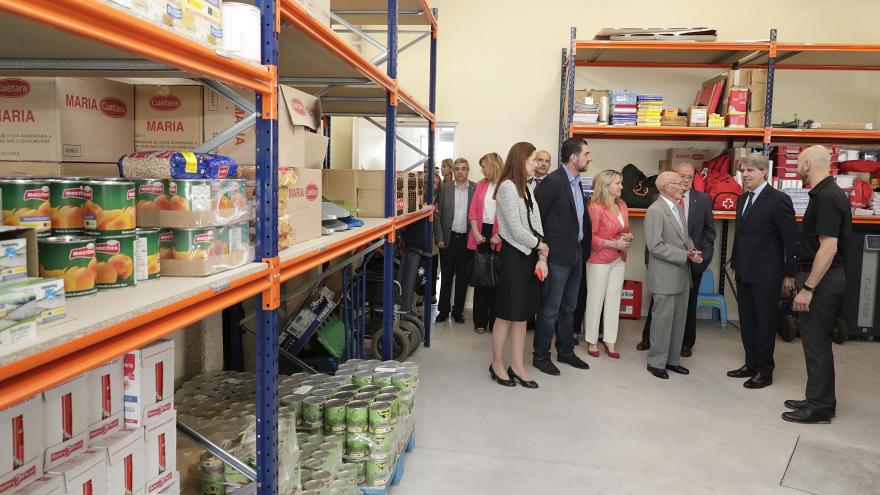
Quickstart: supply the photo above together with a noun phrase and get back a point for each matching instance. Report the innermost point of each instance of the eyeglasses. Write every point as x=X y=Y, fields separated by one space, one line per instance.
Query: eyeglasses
x=687 y=177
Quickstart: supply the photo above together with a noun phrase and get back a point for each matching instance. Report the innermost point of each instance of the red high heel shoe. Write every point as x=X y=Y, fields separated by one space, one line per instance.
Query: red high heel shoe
x=613 y=355
x=592 y=353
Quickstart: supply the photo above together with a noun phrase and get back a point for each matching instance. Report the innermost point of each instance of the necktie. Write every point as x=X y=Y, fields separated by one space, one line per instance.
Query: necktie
x=749 y=201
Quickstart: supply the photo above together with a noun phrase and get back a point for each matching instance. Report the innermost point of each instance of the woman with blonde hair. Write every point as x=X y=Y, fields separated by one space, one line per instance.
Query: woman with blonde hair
x=523 y=264
x=483 y=235
x=605 y=268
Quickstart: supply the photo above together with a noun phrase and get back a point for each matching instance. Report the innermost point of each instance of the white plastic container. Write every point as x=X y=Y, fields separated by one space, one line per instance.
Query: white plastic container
x=241 y=30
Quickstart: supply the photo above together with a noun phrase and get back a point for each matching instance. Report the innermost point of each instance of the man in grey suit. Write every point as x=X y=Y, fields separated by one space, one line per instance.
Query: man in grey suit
x=670 y=250
x=451 y=233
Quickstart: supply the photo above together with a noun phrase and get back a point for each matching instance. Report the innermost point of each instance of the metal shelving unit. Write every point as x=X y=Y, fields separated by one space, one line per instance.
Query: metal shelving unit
x=86 y=38
x=769 y=54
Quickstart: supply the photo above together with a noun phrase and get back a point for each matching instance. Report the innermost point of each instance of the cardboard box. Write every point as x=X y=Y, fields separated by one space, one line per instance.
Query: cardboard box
x=364 y=191
x=174 y=488
x=46 y=169
x=161 y=446
x=698 y=116
x=692 y=156
x=105 y=391
x=299 y=114
x=149 y=379
x=665 y=166
x=66 y=411
x=61 y=453
x=18 y=480
x=168 y=118
x=47 y=294
x=202 y=20
x=84 y=474
x=65 y=119
x=11 y=265
x=48 y=484
x=106 y=427
x=736 y=155
x=163 y=482
x=737 y=102
x=21 y=435
x=207 y=266
x=125 y=454
x=304 y=204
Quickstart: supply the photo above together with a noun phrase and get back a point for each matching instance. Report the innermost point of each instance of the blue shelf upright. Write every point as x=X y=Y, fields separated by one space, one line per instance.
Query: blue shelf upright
x=429 y=184
x=390 y=185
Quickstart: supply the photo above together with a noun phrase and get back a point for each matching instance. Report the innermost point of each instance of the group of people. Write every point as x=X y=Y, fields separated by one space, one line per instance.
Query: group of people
x=562 y=258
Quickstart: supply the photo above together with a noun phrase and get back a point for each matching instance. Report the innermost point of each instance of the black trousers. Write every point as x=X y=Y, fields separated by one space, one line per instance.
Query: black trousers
x=484 y=299
x=690 y=328
x=816 y=326
x=581 y=307
x=758 y=318
x=454 y=263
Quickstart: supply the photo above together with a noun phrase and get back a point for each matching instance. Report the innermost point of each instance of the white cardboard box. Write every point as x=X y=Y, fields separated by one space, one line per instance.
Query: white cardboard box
x=297 y=146
x=174 y=488
x=168 y=118
x=105 y=391
x=149 y=378
x=66 y=411
x=84 y=474
x=126 y=462
x=103 y=428
x=162 y=482
x=18 y=479
x=48 y=484
x=65 y=119
x=21 y=434
x=61 y=453
x=161 y=446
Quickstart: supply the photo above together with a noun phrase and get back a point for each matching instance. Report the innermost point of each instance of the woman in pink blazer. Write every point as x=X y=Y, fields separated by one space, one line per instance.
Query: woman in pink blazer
x=605 y=268
x=483 y=234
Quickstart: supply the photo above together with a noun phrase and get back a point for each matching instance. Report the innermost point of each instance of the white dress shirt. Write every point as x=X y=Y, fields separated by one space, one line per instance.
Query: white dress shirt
x=460 y=215
x=489 y=205
x=674 y=208
x=756 y=192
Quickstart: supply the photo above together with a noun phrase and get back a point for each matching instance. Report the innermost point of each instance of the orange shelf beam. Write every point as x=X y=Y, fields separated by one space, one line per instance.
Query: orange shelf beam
x=93 y=20
x=429 y=14
x=318 y=256
x=636 y=132
x=675 y=46
x=294 y=14
x=825 y=134
x=31 y=375
x=415 y=105
x=404 y=220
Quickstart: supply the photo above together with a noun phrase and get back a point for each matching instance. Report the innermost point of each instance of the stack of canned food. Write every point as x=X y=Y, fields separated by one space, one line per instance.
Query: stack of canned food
x=335 y=432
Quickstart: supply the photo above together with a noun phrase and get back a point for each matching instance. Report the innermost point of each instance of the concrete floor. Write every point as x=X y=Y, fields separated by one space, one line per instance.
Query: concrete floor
x=615 y=429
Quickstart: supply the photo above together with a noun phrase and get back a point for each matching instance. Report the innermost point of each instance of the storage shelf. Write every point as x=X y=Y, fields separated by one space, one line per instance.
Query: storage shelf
x=101 y=327
x=87 y=29
x=374 y=12
x=684 y=133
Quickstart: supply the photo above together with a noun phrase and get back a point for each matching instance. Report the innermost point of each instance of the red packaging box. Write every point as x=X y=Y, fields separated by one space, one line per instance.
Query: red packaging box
x=631 y=300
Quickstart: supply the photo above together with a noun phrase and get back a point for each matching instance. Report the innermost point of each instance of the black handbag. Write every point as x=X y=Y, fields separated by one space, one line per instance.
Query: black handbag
x=639 y=191
x=484 y=270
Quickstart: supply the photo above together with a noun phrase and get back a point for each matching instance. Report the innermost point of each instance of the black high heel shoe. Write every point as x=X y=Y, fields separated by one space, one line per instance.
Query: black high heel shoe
x=524 y=383
x=507 y=383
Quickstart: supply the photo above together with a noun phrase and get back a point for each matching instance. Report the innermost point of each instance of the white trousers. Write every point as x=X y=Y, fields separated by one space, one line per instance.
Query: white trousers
x=604 y=283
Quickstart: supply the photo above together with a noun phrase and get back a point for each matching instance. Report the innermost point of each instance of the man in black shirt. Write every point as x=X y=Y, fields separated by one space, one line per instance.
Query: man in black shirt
x=826 y=226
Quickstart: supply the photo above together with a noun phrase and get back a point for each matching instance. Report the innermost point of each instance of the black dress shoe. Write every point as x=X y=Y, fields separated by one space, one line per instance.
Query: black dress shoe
x=743 y=372
x=574 y=361
x=659 y=373
x=801 y=404
x=681 y=370
x=507 y=383
x=643 y=345
x=686 y=351
x=806 y=416
x=758 y=381
x=546 y=366
x=458 y=318
x=441 y=318
x=524 y=383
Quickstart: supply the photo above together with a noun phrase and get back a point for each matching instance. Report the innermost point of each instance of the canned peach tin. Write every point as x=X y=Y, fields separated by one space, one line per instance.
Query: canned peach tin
x=71 y=259
x=109 y=208
x=26 y=204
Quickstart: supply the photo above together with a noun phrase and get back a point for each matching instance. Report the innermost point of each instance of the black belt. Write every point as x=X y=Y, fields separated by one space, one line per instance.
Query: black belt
x=458 y=234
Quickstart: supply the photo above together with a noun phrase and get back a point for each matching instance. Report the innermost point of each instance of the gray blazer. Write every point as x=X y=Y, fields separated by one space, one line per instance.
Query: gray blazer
x=446 y=210
x=668 y=245
x=514 y=217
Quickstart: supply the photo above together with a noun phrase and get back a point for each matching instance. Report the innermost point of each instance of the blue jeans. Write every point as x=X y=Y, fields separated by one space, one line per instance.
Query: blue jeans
x=559 y=298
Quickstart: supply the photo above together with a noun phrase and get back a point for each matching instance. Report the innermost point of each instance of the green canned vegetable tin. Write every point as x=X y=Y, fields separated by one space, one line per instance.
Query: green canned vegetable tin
x=334 y=416
x=382 y=378
x=295 y=401
x=356 y=416
x=313 y=412
x=406 y=402
x=115 y=258
x=350 y=387
x=67 y=197
x=380 y=446
x=193 y=244
x=403 y=381
x=365 y=396
x=357 y=445
x=192 y=194
x=380 y=417
x=344 y=395
x=362 y=378
x=395 y=404
x=109 y=207
x=148 y=254
x=71 y=259
x=361 y=471
x=26 y=203
x=377 y=472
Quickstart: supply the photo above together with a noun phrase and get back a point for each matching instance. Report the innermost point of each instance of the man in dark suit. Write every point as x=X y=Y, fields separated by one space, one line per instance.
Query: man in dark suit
x=764 y=263
x=701 y=229
x=451 y=232
x=567 y=232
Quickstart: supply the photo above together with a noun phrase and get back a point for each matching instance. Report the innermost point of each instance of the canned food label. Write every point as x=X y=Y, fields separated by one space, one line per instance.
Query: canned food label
x=109 y=209
x=192 y=164
x=304 y=389
x=27 y=205
x=72 y=262
x=140 y=256
x=115 y=262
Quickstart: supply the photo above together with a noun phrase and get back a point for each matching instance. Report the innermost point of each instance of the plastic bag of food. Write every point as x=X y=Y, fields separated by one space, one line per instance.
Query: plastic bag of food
x=176 y=165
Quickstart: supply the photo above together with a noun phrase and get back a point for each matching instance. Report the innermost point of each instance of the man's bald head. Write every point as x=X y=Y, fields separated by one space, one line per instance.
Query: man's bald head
x=813 y=164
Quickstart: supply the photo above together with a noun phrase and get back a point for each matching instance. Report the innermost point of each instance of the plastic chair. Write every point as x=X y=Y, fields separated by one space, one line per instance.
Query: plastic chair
x=707 y=298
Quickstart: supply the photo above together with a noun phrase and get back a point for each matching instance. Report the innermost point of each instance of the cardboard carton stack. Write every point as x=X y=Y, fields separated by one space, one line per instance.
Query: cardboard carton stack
x=754 y=83
x=624 y=107
x=363 y=192
x=650 y=109
x=78 y=437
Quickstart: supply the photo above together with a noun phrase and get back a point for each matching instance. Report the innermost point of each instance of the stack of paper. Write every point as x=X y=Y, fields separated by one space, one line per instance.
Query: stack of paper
x=586 y=112
x=650 y=109
x=800 y=198
x=623 y=108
